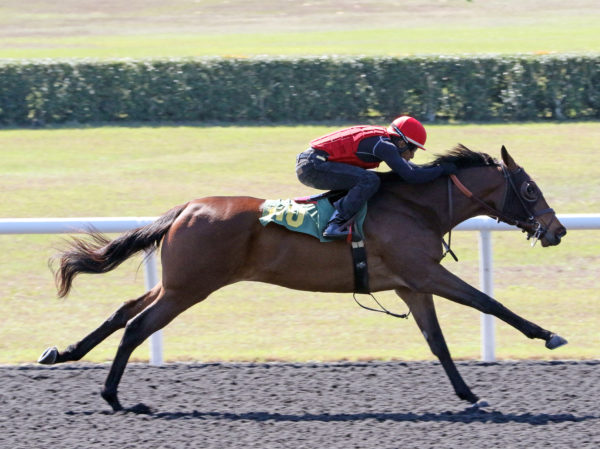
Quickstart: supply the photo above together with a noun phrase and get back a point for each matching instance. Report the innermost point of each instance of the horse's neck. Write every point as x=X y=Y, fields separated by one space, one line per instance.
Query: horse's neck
x=433 y=199
x=485 y=183
x=431 y=202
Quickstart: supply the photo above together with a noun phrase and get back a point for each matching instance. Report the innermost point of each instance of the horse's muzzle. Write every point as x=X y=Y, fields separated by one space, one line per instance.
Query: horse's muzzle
x=553 y=237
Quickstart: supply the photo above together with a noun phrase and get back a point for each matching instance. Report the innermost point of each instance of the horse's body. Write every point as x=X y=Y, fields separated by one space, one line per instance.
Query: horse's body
x=216 y=241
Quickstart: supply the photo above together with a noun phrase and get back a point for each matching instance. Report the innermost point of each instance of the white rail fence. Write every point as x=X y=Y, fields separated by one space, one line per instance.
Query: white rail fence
x=484 y=225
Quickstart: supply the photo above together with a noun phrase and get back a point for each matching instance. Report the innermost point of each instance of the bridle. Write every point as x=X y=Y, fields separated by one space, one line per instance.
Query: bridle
x=527 y=193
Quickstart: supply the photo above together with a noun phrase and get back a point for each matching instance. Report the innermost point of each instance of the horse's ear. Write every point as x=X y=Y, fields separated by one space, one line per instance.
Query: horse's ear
x=508 y=160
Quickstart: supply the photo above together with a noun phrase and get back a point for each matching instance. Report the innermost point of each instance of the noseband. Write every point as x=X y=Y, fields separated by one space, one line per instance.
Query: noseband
x=531 y=225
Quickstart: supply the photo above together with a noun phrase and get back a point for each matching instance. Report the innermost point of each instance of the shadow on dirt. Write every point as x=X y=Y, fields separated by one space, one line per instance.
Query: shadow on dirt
x=469 y=415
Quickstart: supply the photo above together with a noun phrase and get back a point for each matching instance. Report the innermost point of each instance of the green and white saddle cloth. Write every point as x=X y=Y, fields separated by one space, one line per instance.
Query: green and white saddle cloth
x=308 y=217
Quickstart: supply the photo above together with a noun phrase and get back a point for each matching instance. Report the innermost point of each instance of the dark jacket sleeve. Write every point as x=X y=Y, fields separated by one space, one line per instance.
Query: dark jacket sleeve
x=411 y=173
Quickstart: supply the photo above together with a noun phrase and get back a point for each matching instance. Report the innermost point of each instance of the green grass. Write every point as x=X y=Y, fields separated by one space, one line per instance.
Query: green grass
x=245 y=28
x=539 y=39
x=143 y=171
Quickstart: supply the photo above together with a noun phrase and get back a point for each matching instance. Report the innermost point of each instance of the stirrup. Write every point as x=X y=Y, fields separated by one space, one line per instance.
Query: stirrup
x=337 y=228
x=334 y=231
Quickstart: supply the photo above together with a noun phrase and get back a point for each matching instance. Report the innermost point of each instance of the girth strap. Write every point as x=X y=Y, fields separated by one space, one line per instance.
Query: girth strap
x=359 y=262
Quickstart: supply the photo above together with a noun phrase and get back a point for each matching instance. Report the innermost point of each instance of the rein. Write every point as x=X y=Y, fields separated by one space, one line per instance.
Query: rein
x=532 y=226
x=492 y=210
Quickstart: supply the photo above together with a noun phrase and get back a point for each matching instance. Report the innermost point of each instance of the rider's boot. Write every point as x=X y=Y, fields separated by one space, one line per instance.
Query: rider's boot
x=337 y=228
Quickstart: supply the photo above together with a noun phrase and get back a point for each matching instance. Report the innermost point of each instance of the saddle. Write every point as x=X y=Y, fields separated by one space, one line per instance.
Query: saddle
x=310 y=215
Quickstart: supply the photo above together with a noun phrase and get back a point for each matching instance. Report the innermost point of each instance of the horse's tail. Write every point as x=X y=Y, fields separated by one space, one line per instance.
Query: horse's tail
x=101 y=255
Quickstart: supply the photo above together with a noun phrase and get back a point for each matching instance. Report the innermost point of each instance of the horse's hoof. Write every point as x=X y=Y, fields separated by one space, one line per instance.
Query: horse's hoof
x=111 y=398
x=49 y=356
x=555 y=341
x=482 y=403
x=140 y=409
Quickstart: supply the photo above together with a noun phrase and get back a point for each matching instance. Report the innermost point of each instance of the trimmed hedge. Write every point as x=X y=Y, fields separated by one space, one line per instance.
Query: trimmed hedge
x=512 y=88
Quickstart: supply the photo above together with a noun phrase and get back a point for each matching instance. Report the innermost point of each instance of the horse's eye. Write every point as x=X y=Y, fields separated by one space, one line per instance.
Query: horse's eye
x=529 y=191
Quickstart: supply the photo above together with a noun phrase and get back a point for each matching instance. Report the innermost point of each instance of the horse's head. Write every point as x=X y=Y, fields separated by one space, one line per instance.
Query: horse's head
x=524 y=201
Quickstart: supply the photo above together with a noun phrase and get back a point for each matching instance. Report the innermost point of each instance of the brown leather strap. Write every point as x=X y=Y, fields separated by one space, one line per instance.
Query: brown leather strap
x=461 y=186
x=491 y=210
x=532 y=226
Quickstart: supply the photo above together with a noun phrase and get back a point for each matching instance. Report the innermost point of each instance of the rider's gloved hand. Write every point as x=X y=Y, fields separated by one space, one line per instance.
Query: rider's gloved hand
x=449 y=168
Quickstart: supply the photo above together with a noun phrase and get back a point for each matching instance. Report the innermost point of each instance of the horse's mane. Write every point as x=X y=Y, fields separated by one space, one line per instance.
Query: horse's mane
x=460 y=155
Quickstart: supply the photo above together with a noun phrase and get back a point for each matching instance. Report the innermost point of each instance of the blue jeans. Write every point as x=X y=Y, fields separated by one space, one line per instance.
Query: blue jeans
x=314 y=170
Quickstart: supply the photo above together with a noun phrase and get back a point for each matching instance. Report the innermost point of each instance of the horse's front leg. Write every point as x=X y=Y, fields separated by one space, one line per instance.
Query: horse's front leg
x=439 y=281
x=423 y=309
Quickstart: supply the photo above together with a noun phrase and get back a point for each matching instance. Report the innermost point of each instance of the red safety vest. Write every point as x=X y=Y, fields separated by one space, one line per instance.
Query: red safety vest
x=342 y=145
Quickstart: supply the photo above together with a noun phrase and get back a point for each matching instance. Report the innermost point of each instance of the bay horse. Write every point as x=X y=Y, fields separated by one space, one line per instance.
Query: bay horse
x=212 y=242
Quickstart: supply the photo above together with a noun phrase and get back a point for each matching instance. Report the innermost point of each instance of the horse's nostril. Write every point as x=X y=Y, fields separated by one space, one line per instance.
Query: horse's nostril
x=561 y=232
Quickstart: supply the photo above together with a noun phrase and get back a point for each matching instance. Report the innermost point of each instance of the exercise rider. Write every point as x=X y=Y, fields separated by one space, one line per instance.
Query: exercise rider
x=341 y=161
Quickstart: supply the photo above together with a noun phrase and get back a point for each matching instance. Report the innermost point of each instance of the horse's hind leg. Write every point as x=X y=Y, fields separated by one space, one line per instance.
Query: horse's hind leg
x=117 y=320
x=423 y=309
x=168 y=305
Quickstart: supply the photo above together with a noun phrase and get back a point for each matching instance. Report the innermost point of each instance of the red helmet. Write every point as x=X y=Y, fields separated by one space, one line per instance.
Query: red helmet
x=410 y=129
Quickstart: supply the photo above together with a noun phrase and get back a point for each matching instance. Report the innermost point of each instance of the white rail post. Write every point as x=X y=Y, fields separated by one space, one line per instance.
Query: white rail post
x=486 y=280
x=150 y=280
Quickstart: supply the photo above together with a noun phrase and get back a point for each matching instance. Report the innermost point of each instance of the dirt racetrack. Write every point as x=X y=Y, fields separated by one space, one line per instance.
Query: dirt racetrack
x=322 y=405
